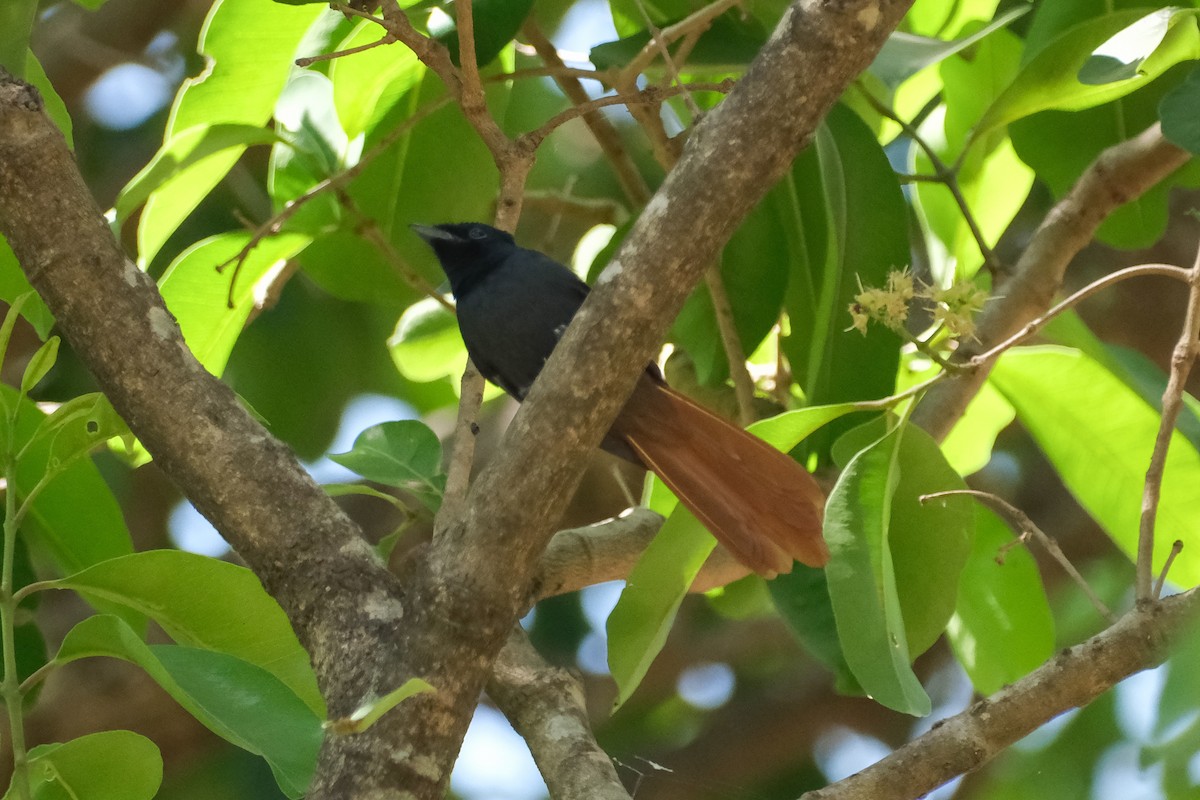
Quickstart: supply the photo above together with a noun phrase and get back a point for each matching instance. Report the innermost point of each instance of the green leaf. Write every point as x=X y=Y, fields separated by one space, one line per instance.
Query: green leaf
x=29 y=644
x=405 y=454
x=257 y=711
x=361 y=489
x=802 y=598
x=894 y=561
x=240 y=87
x=239 y=701
x=206 y=603
x=40 y=364
x=75 y=520
x=1099 y=434
x=110 y=765
x=78 y=426
x=367 y=84
x=406 y=183
x=427 y=345
x=186 y=155
x=420 y=172
x=369 y=713
x=639 y=624
x=56 y=109
x=968 y=447
x=199 y=296
x=1002 y=627
x=754 y=269
x=930 y=541
x=1060 y=145
x=785 y=431
x=1050 y=79
x=14 y=284
x=1180 y=122
x=905 y=54
x=1132 y=367
x=842 y=179
x=10 y=321
x=1121 y=56
x=862 y=581
x=16 y=23
x=314 y=148
x=629 y=16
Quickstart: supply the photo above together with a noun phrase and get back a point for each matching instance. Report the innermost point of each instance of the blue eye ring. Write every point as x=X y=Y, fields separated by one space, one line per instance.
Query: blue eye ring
x=477 y=233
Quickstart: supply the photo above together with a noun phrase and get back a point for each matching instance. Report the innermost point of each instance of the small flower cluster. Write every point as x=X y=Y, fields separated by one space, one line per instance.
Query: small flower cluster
x=954 y=307
x=889 y=306
x=957 y=306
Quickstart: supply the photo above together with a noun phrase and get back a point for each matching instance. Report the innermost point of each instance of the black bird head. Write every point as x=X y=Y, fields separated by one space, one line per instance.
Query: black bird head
x=466 y=250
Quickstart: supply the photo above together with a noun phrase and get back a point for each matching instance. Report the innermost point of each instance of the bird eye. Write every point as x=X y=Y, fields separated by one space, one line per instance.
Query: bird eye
x=477 y=233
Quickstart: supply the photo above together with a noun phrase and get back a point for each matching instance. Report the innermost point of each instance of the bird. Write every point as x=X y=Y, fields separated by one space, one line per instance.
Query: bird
x=513 y=304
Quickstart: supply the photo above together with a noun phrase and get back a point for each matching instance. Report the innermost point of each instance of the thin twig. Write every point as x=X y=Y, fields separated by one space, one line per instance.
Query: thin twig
x=472 y=99
x=555 y=217
x=1182 y=360
x=1176 y=549
x=666 y=148
x=351 y=11
x=656 y=37
x=696 y=21
x=603 y=131
x=332 y=183
x=550 y=71
x=370 y=230
x=1020 y=521
x=308 y=61
x=735 y=354
x=429 y=52
x=651 y=95
x=895 y=399
x=458 y=473
x=593 y=210
x=947 y=176
x=1137 y=271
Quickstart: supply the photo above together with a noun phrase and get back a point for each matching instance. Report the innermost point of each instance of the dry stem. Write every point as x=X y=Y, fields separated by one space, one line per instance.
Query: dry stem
x=1182 y=360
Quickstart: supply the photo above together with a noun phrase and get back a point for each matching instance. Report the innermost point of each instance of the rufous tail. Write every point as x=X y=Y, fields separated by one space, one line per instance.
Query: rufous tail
x=759 y=503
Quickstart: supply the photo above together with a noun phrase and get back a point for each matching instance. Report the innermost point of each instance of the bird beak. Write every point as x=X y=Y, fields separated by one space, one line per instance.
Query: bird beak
x=431 y=233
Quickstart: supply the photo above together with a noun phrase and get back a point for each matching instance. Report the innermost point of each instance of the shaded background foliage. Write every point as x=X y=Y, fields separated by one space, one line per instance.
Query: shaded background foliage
x=733 y=701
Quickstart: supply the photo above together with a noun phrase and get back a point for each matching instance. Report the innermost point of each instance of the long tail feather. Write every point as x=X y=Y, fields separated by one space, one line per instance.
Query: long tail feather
x=759 y=503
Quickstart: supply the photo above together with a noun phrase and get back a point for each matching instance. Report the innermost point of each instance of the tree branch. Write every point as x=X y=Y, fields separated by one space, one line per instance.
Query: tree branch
x=307 y=553
x=365 y=632
x=464 y=607
x=607 y=551
x=546 y=707
x=1074 y=678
